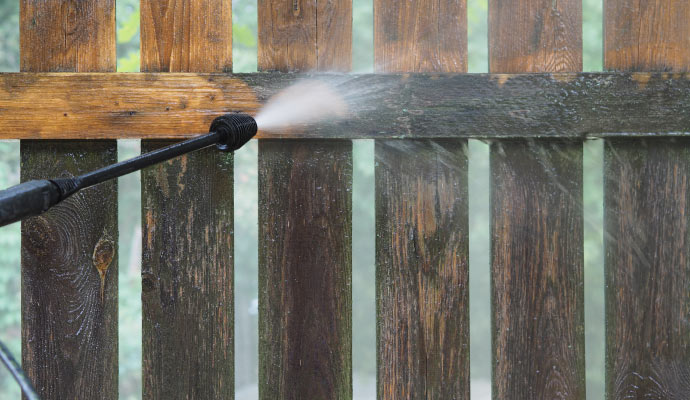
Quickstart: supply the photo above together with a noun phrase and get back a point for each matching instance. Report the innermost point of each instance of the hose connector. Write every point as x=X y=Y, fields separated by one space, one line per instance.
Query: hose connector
x=236 y=129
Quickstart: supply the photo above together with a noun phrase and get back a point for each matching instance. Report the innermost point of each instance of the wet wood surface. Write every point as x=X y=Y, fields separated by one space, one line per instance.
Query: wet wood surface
x=537 y=273
x=422 y=234
x=415 y=105
x=69 y=254
x=646 y=219
x=188 y=220
x=305 y=218
x=422 y=269
x=305 y=258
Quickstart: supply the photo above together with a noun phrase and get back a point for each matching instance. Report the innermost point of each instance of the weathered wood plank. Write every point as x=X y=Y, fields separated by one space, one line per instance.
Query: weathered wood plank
x=187 y=276
x=67 y=36
x=69 y=276
x=188 y=220
x=69 y=254
x=305 y=256
x=536 y=220
x=152 y=105
x=422 y=269
x=305 y=223
x=422 y=234
x=647 y=218
x=186 y=36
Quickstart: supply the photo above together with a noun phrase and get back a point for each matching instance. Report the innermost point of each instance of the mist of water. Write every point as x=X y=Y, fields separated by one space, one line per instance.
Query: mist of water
x=323 y=100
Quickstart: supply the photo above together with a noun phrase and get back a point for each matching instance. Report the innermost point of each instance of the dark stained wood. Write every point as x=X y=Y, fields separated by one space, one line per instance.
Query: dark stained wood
x=422 y=259
x=305 y=223
x=69 y=254
x=305 y=257
x=647 y=268
x=422 y=234
x=188 y=219
x=152 y=105
x=537 y=270
x=186 y=36
x=646 y=219
x=420 y=36
x=187 y=276
x=536 y=221
x=302 y=35
x=69 y=312
x=646 y=35
x=67 y=35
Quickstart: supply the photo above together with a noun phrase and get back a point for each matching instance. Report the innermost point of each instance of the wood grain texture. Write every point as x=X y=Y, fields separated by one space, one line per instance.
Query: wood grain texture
x=647 y=268
x=33 y=106
x=67 y=35
x=537 y=270
x=186 y=36
x=69 y=254
x=69 y=311
x=422 y=234
x=304 y=35
x=535 y=36
x=537 y=233
x=188 y=219
x=187 y=276
x=420 y=36
x=305 y=269
x=646 y=35
x=422 y=259
x=646 y=219
x=305 y=219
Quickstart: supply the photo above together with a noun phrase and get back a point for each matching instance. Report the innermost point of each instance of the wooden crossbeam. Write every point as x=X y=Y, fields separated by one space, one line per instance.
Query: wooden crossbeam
x=179 y=105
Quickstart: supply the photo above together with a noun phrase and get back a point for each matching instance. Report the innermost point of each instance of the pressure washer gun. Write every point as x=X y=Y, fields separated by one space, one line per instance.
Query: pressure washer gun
x=228 y=132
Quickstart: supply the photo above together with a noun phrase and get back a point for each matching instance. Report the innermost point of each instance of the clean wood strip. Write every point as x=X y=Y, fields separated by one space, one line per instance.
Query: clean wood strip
x=69 y=254
x=153 y=105
x=646 y=218
x=188 y=218
x=305 y=223
x=536 y=219
x=422 y=234
x=186 y=36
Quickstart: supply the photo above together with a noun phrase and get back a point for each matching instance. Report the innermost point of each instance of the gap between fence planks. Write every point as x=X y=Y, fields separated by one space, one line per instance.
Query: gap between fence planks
x=646 y=218
x=537 y=271
x=70 y=253
x=187 y=212
x=180 y=105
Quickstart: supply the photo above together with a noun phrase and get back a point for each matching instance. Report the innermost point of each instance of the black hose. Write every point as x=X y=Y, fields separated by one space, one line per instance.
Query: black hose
x=17 y=372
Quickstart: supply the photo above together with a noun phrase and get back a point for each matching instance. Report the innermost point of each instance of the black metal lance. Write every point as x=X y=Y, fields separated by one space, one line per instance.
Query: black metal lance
x=228 y=132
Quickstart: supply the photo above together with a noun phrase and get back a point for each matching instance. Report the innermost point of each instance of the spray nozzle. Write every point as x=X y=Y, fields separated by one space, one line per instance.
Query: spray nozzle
x=236 y=129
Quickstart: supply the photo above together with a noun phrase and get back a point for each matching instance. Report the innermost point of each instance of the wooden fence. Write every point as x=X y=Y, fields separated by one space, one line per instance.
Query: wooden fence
x=69 y=255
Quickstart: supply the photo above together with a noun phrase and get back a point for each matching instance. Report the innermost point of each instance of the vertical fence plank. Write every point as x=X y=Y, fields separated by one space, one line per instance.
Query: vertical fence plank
x=187 y=210
x=305 y=219
x=646 y=218
x=537 y=221
x=422 y=241
x=69 y=254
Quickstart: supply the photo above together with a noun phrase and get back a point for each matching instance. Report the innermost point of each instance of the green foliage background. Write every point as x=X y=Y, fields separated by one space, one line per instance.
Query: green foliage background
x=244 y=59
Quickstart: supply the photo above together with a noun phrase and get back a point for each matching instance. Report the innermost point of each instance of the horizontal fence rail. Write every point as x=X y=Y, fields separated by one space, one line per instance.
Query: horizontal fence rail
x=412 y=105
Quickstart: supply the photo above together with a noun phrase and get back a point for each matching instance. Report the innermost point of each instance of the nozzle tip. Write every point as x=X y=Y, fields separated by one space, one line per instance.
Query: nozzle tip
x=236 y=130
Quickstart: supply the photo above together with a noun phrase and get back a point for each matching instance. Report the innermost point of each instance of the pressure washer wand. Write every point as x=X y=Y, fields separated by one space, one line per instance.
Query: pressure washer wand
x=228 y=132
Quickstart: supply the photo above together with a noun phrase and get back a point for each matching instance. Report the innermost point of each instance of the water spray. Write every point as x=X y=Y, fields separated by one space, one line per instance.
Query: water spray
x=228 y=132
